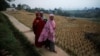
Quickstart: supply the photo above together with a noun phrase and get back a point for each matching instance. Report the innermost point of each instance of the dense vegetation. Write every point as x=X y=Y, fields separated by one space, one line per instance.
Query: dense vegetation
x=3 y=5
x=87 y=13
x=12 y=42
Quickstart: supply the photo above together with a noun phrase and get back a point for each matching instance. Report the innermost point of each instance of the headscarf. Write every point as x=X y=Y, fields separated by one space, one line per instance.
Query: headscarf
x=41 y=13
x=37 y=14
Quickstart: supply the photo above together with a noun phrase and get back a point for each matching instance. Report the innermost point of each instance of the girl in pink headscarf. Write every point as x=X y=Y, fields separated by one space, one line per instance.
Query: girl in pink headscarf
x=48 y=34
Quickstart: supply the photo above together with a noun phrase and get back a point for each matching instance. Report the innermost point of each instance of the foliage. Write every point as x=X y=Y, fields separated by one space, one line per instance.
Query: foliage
x=86 y=13
x=13 y=5
x=3 y=5
x=19 y=7
x=7 y=39
x=13 y=41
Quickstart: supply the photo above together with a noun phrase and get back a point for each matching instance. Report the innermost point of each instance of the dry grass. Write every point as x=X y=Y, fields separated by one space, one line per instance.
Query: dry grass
x=69 y=32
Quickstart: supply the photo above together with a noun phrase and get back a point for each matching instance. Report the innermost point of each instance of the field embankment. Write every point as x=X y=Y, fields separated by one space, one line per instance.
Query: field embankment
x=12 y=42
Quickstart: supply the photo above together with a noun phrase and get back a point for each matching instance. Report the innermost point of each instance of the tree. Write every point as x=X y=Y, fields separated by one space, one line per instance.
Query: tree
x=10 y=0
x=4 y=4
x=13 y=5
x=19 y=6
x=26 y=7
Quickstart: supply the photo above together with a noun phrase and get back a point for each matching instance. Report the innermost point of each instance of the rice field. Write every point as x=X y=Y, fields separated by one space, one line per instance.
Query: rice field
x=70 y=33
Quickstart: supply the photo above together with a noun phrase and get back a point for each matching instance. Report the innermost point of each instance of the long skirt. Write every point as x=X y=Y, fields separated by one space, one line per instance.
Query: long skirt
x=38 y=44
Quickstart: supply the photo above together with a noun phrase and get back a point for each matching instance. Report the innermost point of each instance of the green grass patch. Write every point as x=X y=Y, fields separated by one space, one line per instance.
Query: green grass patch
x=14 y=41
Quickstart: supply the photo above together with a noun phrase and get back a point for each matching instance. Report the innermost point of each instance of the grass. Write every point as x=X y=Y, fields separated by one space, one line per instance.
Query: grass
x=7 y=40
x=14 y=41
x=70 y=34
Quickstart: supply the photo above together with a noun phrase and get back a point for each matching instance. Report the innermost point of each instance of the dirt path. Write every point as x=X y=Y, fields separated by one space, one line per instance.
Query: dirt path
x=30 y=36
